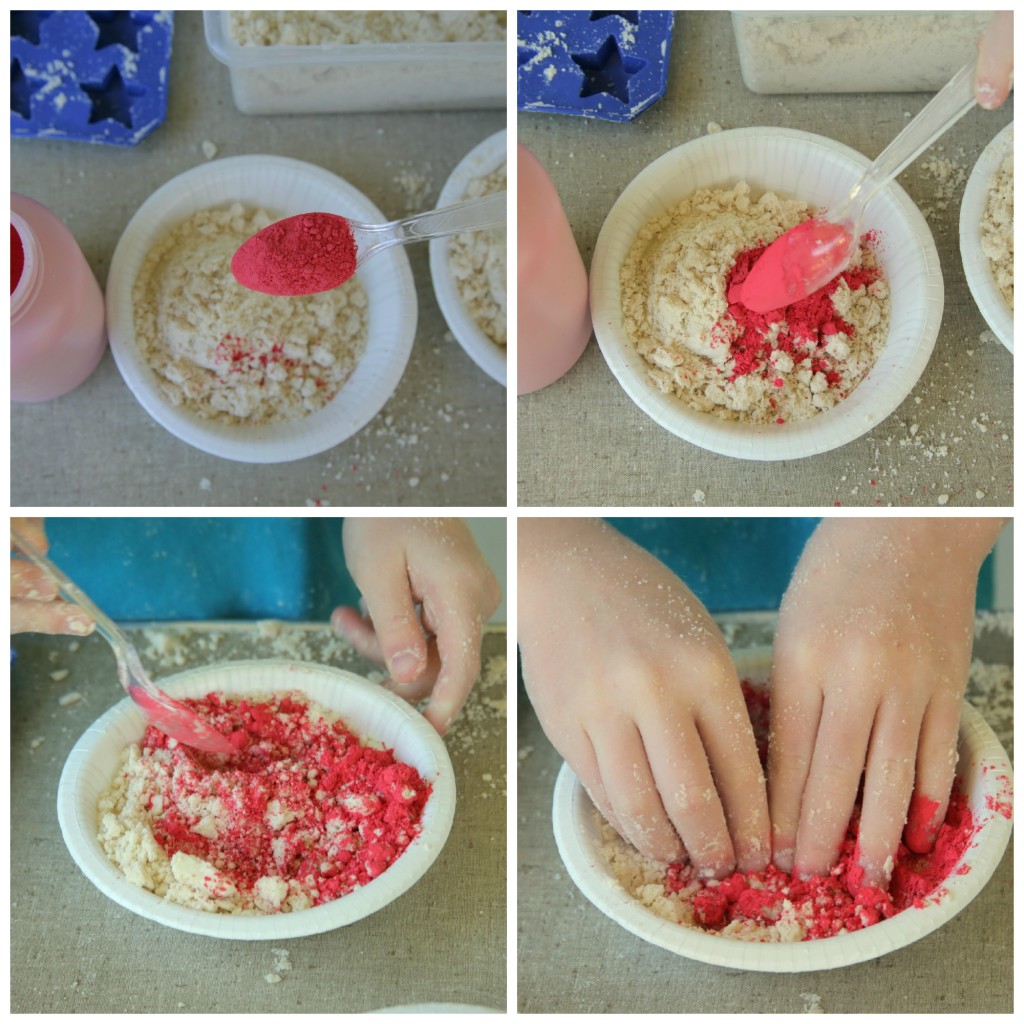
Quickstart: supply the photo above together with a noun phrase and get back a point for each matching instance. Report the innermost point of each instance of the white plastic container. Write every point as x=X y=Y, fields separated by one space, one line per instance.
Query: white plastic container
x=360 y=76
x=984 y=773
x=852 y=51
x=288 y=187
x=797 y=165
x=369 y=710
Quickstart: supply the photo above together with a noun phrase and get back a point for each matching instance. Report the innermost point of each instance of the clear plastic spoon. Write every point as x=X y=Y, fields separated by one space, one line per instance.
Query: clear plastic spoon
x=279 y=260
x=167 y=714
x=808 y=256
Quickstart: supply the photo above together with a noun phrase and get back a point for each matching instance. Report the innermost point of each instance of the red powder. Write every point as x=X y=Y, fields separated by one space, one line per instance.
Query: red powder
x=804 y=326
x=313 y=252
x=839 y=901
x=17 y=258
x=302 y=799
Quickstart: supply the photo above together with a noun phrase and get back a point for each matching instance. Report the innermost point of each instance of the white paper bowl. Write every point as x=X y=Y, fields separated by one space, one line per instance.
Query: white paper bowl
x=370 y=711
x=796 y=165
x=977 y=268
x=488 y=156
x=286 y=187
x=982 y=758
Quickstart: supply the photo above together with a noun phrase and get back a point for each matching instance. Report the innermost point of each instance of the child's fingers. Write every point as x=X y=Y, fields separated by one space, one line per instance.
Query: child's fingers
x=993 y=74
x=631 y=791
x=794 y=725
x=458 y=635
x=688 y=794
x=888 y=782
x=49 y=617
x=580 y=755
x=833 y=781
x=936 y=766
x=732 y=752
x=358 y=630
x=403 y=647
x=33 y=528
x=30 y=582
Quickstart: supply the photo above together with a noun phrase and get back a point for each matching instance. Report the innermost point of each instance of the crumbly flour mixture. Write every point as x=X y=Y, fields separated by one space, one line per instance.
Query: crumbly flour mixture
x=234 y=355
x=301 y=815
x=713 y=354
x=770 y=905
x=318 y=28
x=997 y=228
x=478 y=262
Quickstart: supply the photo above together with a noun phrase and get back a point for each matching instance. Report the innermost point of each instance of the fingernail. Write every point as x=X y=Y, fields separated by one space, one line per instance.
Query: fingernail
x=336 y=618
x=986 y=93
x=404 y=666
x=80 y=625
x=784 y=860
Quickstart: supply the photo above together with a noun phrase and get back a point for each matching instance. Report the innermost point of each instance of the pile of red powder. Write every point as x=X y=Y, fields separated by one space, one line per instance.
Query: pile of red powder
x=302 y=800
x=803 y=328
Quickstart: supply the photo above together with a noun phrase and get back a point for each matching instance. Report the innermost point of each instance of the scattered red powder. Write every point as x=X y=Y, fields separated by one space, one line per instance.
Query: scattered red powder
x=302 y=799
x=803 y=327
x=313 y=252
x=17 y=258
x=839 y=901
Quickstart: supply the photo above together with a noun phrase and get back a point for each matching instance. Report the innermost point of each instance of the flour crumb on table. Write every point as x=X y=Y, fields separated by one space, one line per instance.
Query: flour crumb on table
x=812 y=1002
x=69 y=698
x=60 y=675
x=230 y=354
x=478 y=263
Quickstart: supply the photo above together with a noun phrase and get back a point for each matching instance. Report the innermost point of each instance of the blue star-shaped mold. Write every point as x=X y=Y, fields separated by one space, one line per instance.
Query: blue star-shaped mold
x=633 y=17
x=26 y=24
x=22 y=87
x=118 y=27
x=112 y=99
x=98 y=76
x=608 y=71
x=607 y=64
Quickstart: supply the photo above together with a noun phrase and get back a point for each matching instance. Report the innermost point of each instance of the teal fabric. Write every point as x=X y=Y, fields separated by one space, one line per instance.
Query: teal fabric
x=741 y=563
x=211 y=568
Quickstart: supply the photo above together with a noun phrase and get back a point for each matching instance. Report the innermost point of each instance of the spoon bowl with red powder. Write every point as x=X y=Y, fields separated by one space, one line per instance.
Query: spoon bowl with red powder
x=926 y=891
x=391 y=732
x=316 y=252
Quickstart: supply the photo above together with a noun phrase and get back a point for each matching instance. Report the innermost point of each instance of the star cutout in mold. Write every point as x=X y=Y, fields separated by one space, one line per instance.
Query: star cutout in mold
x=26 y=24
x=608 y=70
x=112 y=99
x=633 y=17
x=22 y=87
x=116 y=27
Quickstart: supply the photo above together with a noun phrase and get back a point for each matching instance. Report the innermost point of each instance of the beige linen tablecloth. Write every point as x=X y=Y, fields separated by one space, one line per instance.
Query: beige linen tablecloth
x=582 y=441
x=73 y=950
x=439 y=440
x=574 y=959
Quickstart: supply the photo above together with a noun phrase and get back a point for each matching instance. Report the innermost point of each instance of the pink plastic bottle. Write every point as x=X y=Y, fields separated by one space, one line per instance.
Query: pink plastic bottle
x=58 y=334
x=554 y=309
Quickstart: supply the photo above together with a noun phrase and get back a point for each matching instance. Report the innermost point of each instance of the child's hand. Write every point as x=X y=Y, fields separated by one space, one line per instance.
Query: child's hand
x=993 y=76
x=399 y=564
x=633 y=685
x=870 y=665
x=35 y=607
